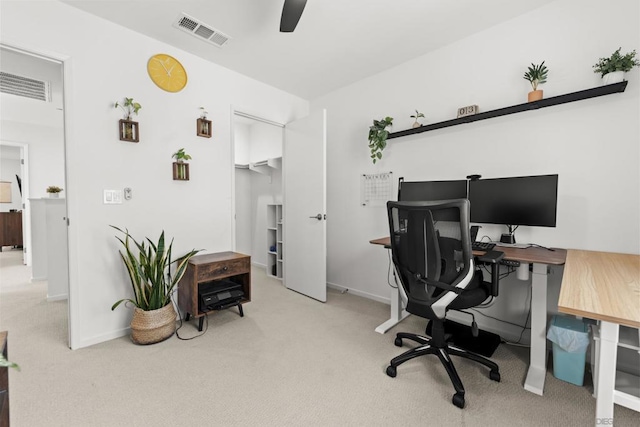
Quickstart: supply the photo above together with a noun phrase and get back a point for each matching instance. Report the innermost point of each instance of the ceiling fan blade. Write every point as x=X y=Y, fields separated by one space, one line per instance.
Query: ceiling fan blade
x=291 y=13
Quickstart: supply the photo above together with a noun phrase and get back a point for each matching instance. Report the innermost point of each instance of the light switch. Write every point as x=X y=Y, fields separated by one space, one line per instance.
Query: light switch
x=112 y=197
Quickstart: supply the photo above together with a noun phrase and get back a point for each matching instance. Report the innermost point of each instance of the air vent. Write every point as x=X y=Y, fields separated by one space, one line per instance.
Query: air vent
x=24 y=86
x=202 y=31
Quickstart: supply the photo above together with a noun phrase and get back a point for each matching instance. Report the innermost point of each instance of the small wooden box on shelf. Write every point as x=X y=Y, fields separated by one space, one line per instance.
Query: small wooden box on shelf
x=180 y=171
x=129 y=131
x=201 y=269
x=203 y=128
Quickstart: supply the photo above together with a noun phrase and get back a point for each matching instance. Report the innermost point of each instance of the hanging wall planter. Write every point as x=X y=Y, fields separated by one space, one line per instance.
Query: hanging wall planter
x=127 y=128
x=180 y=171
x=180 y=168
x=203 y=126
x=129 y=131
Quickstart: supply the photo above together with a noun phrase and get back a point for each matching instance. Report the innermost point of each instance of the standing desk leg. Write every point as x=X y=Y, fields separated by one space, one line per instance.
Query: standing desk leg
x=538 y=354
x=606 y=372
x=397 y=313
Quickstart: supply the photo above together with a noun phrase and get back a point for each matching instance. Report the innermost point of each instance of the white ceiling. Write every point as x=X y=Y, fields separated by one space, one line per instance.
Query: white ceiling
x=336 y=43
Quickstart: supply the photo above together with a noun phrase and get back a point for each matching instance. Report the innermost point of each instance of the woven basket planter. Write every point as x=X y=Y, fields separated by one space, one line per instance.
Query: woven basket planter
x=150 y=327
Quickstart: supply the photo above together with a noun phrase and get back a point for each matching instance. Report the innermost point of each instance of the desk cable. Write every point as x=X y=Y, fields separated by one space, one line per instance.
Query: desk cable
x=395 y=279
x=510 y=270
x=206 y=318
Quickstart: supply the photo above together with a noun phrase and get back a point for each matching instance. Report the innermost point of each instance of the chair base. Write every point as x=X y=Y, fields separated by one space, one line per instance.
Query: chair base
x=443 y=351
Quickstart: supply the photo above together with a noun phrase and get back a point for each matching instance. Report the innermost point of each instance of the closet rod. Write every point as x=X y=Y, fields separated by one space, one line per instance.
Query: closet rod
x=260 y=119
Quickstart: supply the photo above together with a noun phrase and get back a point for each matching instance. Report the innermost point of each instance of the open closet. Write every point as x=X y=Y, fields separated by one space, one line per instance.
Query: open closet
x=258 y=191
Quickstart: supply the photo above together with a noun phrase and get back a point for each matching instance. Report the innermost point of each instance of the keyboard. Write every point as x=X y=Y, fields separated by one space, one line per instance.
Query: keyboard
x=482 y=246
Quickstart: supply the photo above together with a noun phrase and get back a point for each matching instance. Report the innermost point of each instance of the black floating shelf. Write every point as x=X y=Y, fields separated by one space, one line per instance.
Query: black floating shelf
x=548 y=102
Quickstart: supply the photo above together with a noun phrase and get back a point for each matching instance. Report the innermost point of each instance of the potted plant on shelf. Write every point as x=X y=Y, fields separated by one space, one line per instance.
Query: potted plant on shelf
x=149 y=267
x=129 y=129
x=536 y=75
x=416 y=116
x=612 y=69
x=54 y=191
x=378 y=134
x=180 y=168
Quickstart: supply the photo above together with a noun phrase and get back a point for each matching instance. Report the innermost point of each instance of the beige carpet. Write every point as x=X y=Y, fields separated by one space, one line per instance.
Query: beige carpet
x=290 y=361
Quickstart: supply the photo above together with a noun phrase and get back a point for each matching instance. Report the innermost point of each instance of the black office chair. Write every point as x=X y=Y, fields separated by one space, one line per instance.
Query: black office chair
x=431 y=251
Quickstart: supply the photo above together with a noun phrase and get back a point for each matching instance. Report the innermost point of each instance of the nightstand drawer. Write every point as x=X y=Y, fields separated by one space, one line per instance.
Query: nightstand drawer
x=222 y=269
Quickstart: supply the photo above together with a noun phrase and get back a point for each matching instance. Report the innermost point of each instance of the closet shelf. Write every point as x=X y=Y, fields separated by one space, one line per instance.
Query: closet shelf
x=547 y=102
x=265 y=166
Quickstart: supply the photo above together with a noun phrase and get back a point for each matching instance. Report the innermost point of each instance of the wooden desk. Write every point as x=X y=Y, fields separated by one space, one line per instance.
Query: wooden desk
x=541 y=259
x=606 y=287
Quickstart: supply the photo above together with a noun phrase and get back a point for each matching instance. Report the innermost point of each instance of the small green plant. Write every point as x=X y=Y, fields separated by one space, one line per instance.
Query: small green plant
x=180 y=155
x=416 y=116
x=149 y=268
x=536 y=75
x=54 y=189
x=129 y=107
x=378 y=137
x=4 y=363
x=616 y=62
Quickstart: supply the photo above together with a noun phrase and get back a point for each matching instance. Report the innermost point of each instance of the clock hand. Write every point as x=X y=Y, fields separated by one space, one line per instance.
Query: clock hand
x=169 y=71
x=162 y=63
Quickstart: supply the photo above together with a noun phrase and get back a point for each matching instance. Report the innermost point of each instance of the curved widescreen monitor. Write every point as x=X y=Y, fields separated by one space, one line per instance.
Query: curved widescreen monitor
x=524 y=200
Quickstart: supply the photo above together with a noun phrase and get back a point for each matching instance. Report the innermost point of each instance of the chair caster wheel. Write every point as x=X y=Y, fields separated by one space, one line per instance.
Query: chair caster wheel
x=398 y=342
x=495 y=376
x=458 y=400
x=391 y=371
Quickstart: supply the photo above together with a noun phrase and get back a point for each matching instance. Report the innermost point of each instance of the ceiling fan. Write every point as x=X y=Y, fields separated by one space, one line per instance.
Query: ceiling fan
x=291 y=13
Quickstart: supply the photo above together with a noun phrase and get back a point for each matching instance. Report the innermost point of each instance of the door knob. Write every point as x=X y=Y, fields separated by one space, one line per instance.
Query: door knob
x=318 y=217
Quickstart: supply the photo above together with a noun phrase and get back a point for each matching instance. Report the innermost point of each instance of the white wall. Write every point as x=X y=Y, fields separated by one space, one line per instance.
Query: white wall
x=591 y=144
x=105 y=67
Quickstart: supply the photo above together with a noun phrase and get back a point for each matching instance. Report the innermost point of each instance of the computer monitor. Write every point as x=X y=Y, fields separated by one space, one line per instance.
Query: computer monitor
x=419 y=191
x=524 y=200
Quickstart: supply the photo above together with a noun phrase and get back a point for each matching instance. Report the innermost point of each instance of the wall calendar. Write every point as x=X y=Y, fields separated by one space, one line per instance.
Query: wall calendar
x=375 y=189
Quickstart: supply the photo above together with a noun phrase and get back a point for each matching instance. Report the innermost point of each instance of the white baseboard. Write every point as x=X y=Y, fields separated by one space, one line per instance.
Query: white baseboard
x=102 y=338
x=359 y=293
x=38 y=279
x=57 y=297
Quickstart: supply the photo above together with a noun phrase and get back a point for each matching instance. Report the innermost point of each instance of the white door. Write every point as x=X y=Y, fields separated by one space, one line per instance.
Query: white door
x=305 y=201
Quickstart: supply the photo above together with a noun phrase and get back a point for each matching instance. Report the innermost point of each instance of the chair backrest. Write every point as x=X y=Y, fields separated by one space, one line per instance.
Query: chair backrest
x=431 y=251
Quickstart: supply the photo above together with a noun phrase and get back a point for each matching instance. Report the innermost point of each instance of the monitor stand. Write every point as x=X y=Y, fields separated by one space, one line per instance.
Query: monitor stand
x=509 y=237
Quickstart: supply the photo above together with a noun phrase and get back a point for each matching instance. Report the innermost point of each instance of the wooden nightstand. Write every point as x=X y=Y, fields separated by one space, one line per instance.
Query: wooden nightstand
x=206 y=268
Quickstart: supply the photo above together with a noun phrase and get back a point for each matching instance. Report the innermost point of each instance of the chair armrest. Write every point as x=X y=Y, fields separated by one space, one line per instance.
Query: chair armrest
x=491 y=257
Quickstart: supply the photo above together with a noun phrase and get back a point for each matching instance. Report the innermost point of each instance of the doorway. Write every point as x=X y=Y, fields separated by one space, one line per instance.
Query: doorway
x=282 y=236
x=33 y=122
x=257 y=148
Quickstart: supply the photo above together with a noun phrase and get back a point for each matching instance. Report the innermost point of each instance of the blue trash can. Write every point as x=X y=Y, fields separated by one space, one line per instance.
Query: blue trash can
x=570 y=338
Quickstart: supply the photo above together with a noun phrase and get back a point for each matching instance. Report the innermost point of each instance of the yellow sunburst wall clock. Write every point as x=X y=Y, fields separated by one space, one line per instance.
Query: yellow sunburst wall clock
x=167 y=72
